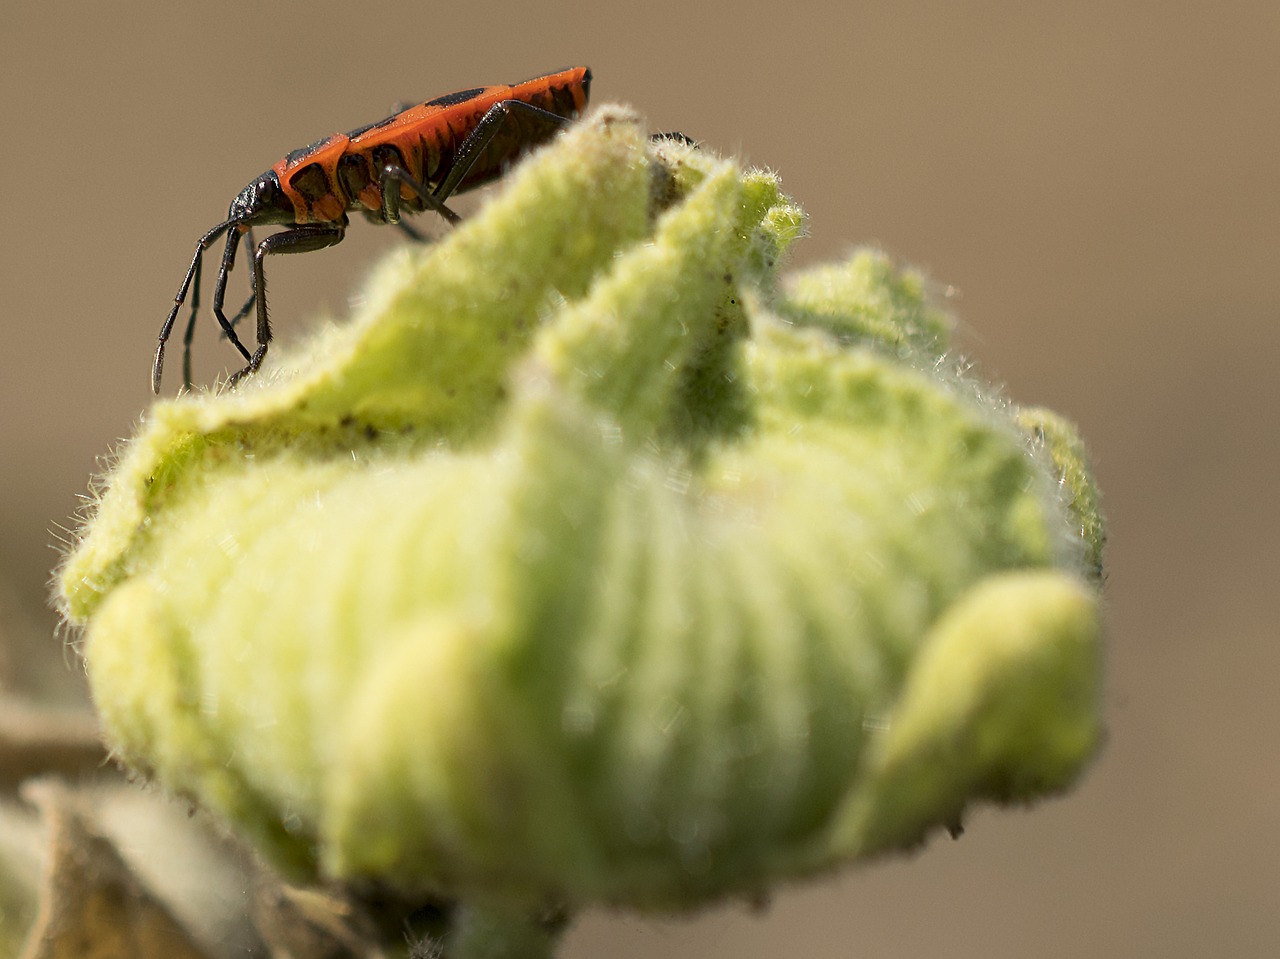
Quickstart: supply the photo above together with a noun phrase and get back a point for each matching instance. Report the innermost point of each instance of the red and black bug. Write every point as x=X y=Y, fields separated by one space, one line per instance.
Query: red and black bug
x=414 y=160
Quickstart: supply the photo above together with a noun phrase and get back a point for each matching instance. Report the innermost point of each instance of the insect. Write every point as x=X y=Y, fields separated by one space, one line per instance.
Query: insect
x=414 y=160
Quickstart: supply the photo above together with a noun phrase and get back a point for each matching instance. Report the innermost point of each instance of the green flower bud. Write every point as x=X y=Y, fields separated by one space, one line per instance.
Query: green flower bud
x=588 y=564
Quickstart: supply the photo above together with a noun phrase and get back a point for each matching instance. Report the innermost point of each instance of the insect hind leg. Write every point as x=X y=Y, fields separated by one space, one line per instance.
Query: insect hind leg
x=299 y=239
x=392 y=176
x=469 y=152
x=479 y=138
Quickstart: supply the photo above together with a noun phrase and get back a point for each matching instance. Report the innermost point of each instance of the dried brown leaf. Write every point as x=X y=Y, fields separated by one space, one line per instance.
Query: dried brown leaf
x=92 y=906
x=313 y=924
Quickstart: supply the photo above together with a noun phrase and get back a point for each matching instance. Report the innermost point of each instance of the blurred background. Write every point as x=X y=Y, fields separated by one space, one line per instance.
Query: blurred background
x=1095 y=184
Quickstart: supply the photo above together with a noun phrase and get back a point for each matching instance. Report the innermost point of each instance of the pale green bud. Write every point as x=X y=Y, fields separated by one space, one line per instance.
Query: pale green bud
x=587 y=564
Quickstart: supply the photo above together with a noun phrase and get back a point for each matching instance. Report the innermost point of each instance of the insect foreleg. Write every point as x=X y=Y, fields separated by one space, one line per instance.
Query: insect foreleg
x=299 y=239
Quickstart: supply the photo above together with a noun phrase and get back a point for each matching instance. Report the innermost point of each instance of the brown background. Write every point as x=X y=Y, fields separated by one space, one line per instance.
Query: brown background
x=1097 y=179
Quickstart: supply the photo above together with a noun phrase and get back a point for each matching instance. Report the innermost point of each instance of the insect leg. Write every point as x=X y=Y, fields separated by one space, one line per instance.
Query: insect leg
x=470 y=151
x=250 y=246
x=389 y=183
x=483 y=135
x=193 y=275
x=220 y=291
x=189 y=333
x=299 y=239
